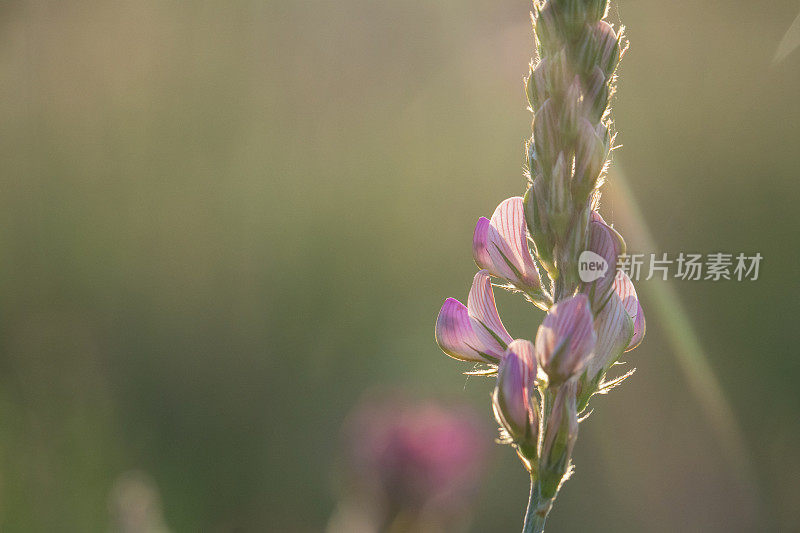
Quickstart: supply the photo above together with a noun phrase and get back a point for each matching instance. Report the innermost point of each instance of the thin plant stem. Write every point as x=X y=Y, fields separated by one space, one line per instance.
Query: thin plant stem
x=536 y=515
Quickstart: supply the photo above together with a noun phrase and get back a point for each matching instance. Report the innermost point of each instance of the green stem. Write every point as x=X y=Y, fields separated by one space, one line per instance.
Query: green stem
x=538 y=509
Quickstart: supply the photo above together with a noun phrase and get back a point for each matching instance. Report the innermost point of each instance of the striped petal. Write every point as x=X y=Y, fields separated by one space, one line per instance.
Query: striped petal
x=608 y=244
x=473 y=332
x=614 y=329
x=455 y=334
x=483 y=310
x=500 y=245
x=512 y=397
x=566 y=338
x=624 y=288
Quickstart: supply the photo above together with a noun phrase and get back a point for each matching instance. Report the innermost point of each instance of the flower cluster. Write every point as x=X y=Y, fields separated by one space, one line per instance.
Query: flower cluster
x=531 y=245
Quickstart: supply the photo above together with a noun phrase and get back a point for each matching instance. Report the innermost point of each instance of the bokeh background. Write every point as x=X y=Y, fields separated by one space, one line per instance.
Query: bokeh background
x=222 y=223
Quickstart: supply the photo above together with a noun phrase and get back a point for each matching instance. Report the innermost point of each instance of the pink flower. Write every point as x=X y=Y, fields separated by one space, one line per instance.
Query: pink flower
x=620 y=325
x=415 y=454
x=608 y=244
x=513 y=403
x=500 y=246
x=473 y=332
x=566 y=338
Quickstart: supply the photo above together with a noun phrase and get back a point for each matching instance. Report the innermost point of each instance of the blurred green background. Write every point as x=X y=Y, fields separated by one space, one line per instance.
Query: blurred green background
x=222 y=222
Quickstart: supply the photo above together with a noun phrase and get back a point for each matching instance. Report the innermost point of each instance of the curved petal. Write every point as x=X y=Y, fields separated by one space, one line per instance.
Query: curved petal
x=509 y=220
x=639 y=329
x=566 y=338
x=455 y=334
x=483 y=310
x=480 y=241
x=500 y=245
x=624 y=288
x=473 y=332
x=603 y=242
x=527 y=354
x=614 y=329
x=515 y=381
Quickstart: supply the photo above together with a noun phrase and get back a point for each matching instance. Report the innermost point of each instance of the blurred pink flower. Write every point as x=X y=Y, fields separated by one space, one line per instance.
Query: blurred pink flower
x=416 y=454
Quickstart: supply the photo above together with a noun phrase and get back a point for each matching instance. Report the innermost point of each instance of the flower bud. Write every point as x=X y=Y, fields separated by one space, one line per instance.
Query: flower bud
x=513 y=403
x=565 y=339
x=559 y=439
x=590 y=156
x=596 y=9
x=597 y=93
x=559 y=209
x=598 y=46
x=607 y=243
x=559 y=73
x=545 y=134
x=572 y=105
x=536 y=85
x=547 y=29
x=538 y=227
x=608 y=50
x=572 y=15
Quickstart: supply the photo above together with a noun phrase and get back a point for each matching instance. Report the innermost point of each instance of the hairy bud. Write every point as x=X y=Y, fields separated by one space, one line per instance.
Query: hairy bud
x=595 y=100
x=546 y=134
x=559 y=205
x=547 y=29
x=596 y=9
x=608 y=49
x=590 y=156
x=539 y=230
x=572 y=108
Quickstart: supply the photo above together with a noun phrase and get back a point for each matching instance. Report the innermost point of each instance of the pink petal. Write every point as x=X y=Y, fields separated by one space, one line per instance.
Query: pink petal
x=604 y=243
x=483 y=310
x=614 y=329
x=568 y=331
x=480 y=242
x=527 y=354
x=473 y=332
x=624 y=288
x=515 y=382
x=500 y=245
x=509 y=221
x=512 y=386
x=639 y=329
x=455 y=334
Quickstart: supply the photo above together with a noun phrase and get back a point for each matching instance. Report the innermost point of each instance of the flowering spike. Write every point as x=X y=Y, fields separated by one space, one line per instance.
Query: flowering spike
x=500 y=246
x=565 y=339
x=473 y=332
x=591 y=320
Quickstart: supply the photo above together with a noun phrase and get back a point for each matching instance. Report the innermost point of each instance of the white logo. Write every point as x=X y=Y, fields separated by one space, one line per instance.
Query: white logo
x=591 y=266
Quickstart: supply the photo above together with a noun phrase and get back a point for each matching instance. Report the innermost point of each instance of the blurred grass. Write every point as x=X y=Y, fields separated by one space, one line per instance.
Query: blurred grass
x=223 y=221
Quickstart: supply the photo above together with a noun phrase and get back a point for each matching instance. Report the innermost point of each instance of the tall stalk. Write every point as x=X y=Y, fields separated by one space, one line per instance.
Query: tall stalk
x=553 y=247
